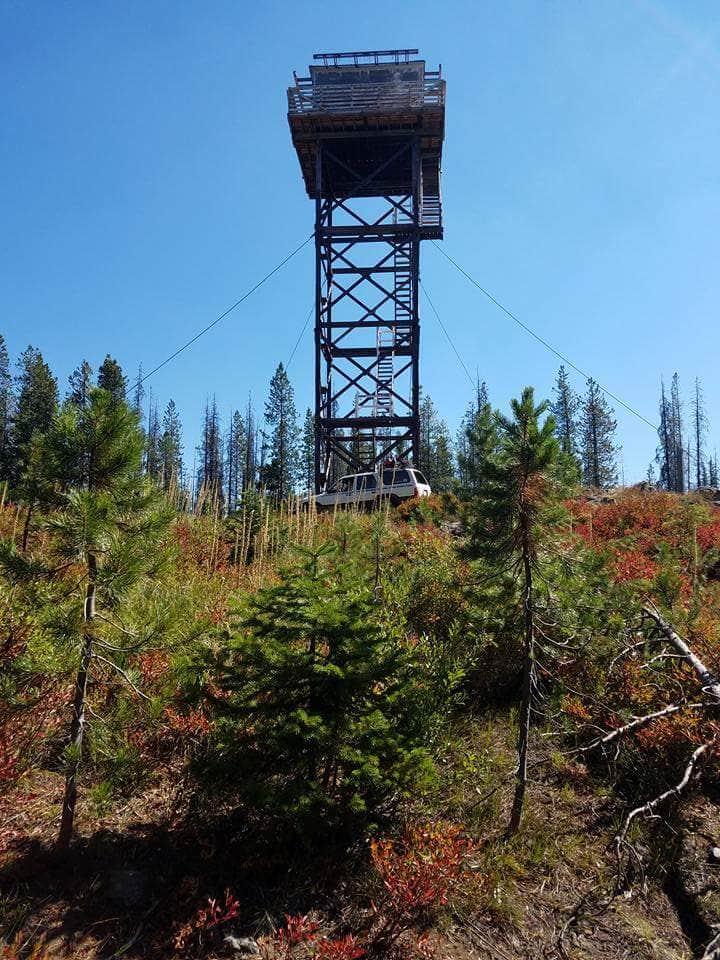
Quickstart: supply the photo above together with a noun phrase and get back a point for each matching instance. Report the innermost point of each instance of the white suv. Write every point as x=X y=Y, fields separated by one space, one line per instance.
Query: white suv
x=367 y=490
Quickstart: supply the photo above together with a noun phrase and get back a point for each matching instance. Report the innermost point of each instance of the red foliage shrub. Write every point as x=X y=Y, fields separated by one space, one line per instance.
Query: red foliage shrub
x=708 y=535
x=192 y=723
x=206 y=918
x=633 y=565
x=634 y=514
x=575 y=708
x=298 y=929
x=419 y=872
x=153 y=665
x=346 y=948
x=669 y=733
x=214 y=913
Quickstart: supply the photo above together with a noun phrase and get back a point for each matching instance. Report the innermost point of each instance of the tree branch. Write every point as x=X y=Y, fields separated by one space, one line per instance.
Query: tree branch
x=123 y=674
x=649 y=808
x=710 y=684
x=637 y=723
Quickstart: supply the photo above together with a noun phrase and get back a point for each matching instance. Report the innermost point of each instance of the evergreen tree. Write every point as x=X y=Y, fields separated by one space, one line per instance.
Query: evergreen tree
x=477 y=443
x=111 y=522
x=171 y=449
x=307 y=452
x=110 y=378
x=37 y=397
x=210 y=476
x=597 y=437
x=435 y=457
x=235 y=461
x=281 y=471
x=319 y=718
x=79 y=384
x=506 y=524
x=6 y=412
x=565 y=409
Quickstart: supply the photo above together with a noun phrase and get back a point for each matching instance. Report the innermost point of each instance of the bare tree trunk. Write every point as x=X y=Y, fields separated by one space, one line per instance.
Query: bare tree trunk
x=527 y=686
x=77 y=725
x=26 y=526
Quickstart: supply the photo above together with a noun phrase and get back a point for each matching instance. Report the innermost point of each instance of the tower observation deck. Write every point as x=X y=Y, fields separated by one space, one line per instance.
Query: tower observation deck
x=368 y=128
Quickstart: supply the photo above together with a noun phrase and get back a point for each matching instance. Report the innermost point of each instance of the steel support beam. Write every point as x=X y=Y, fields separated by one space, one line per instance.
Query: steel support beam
x=367 y=331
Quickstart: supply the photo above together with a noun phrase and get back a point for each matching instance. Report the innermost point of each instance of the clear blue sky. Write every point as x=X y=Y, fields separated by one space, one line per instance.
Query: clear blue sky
x=147 y=179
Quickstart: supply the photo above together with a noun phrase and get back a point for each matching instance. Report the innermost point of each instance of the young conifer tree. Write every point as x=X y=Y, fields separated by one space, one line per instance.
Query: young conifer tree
x=111 y=521
x=506 y=525
x=319 y=718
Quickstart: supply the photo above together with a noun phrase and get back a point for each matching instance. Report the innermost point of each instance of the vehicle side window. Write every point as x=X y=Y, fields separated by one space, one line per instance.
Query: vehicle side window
x=366 y=482
x=420 y=477
x=346 y=484
x=392 y=478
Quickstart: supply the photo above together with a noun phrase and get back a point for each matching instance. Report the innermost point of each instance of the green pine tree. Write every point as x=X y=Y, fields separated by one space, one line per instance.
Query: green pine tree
x=317 y=712
x=565 y=409
x=597 y=439
x=111 y=378
x=478 y=442
x=111 y=521
x=307 y=453
x=79 y=383
x=506 y=521
x=436 y=459
x=37 y=398
x=171 y=448
x=281 y=471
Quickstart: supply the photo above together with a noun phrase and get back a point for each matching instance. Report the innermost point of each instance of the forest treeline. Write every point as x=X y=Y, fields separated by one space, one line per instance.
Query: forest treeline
x=274 y=450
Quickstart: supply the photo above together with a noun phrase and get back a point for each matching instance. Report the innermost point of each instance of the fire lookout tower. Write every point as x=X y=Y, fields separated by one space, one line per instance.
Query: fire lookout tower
x=368 y=128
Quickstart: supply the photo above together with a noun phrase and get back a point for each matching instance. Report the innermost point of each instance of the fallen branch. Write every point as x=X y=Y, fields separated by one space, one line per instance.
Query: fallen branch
x=709 y=683
x=649 y=808
x=637 y=723
x=712 y=950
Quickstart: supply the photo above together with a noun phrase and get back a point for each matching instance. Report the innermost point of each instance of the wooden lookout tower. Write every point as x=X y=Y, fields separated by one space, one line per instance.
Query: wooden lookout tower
x=368 y=128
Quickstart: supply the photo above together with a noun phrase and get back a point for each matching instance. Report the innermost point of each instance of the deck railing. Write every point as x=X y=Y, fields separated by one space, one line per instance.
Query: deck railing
x=306 y=97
